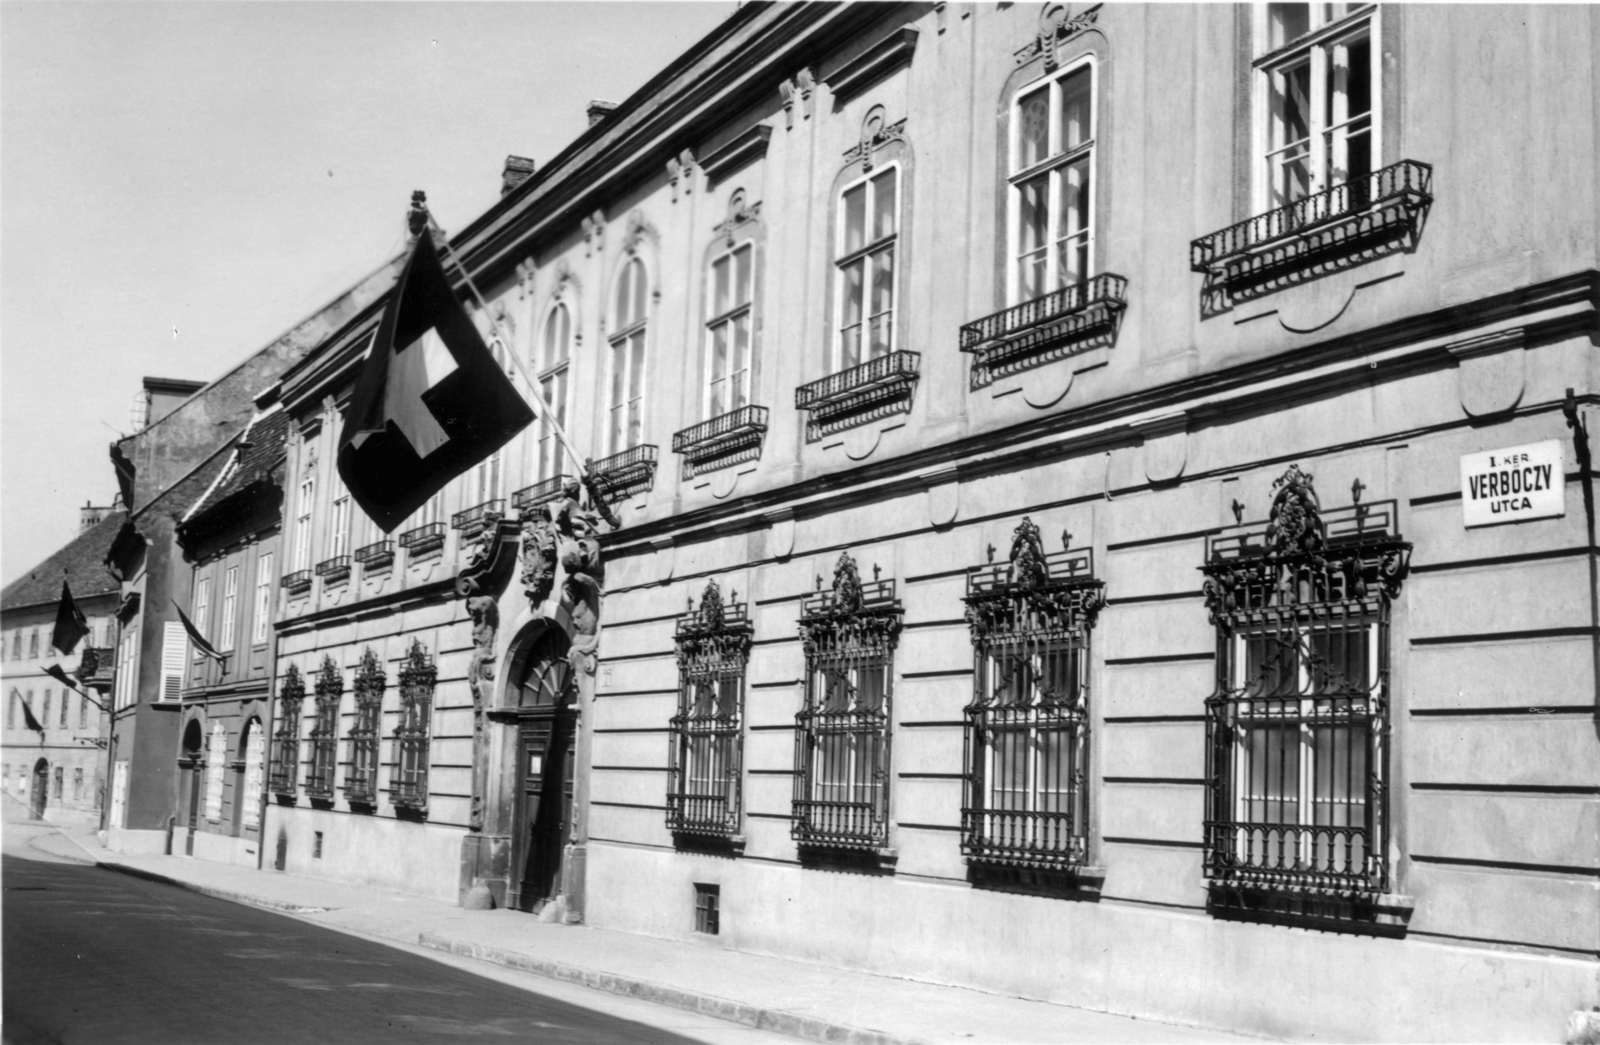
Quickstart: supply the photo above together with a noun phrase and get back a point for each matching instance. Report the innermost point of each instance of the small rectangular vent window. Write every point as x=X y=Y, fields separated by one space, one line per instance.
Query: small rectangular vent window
x=707 y=908
x=316 y=844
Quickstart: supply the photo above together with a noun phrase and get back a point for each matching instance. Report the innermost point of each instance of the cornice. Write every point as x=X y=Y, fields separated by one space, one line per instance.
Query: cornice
x=433 y=591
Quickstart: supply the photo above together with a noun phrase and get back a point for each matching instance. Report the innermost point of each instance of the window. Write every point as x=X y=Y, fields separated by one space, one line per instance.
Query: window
x=77 y=785
x=11 y=711
x=174 y=654
x=417 y=677
x=325 y=733
x=361 y=784
x=728 y=331
x=230 y=609
x=707 y=909
x=119 y=792
x=200 y=608
x=1297 y=729
x=286 y=738
x=127 y=659
x=841 y=796
x=216 y=769
x=16 y=644
x=55 y=778
x=302 y=524
x=869 y=225
x=339 y=525
x=627 y=357
x=1052 y=183
x=707 y=732
x=83 y=711
x=254 y=752
x=1316 y=86
x=555 y=354
x=65 y=710
x=261 y=619
x=33 y=644
x=1025 y=803
x=44 y=719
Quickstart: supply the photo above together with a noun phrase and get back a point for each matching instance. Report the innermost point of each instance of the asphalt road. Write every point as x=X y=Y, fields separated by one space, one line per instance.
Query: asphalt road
x=94 y=956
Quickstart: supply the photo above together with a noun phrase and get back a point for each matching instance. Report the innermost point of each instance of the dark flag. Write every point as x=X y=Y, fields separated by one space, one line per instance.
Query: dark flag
x=55 y=672
x=27 y=714
x=70 y=625
x=195 y=637
x=424 y=410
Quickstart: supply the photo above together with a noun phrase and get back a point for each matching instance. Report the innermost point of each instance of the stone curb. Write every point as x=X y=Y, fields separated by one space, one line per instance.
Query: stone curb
x=219 y=894
x=777 y=1020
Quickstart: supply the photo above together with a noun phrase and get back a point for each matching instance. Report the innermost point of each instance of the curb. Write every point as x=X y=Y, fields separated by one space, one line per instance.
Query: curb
x=219 y=894
x=777 y=1020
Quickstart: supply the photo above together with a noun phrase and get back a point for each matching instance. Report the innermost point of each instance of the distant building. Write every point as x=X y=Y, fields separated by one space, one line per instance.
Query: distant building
x=60 y=774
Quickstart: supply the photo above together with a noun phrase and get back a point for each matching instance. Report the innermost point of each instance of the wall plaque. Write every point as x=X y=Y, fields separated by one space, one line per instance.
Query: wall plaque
x=1515 y=484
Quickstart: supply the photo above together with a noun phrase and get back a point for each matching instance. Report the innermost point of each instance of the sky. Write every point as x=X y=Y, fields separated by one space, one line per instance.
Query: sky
x=180 y=183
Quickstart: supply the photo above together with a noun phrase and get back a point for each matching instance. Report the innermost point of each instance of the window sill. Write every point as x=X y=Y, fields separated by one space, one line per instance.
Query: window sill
x=859 y=395
x=625 y=474
x=1309 y=906
x=722 y=442
x=1066 y=322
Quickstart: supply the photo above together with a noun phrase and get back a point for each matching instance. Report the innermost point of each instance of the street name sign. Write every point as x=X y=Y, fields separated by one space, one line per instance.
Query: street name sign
x=1515 y=484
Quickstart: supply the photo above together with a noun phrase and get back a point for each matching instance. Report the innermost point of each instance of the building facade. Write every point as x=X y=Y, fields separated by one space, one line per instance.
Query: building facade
x=1103 y=491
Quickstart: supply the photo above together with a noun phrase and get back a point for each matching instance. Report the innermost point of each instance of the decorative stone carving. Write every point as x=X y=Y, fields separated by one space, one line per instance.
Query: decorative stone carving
x=740 y=214
x=594 y=233
x=638 y=229
x=681 y=169
x=485 y=611
x=1024 y=593
x=1054 y=27
x=876 y=132
x=798 y=90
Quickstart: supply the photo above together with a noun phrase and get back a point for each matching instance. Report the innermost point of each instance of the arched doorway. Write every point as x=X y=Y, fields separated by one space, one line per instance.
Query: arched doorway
x=252 y=750
x=41 y=788
x=190 y=763
x=546 y=708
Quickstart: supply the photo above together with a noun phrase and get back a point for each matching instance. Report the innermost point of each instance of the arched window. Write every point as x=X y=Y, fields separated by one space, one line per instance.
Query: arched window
x=555 y=353
x=627 y=358
x=254 y=751
x=728 y=330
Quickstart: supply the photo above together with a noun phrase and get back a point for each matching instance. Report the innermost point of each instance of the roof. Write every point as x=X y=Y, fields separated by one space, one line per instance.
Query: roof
x=81 y=563
x=257 y=457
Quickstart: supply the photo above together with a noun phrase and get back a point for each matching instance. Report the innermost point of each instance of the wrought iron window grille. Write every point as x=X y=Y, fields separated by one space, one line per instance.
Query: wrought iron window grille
x=1297 y=753
x=299 y=582
x=633 y=471
x=725 y=440
x=1063 y=322
x=1025 y=799
x=286 y=738
x=1340 y=227
x=422 y=540
x=479 y=519
x=842 y=735
x=877 y=388
x=361 y=781
x=379 y=555
x=334 y=570
x=329 y=691
x=541 y=492
x=705 y=757
x=418 y=676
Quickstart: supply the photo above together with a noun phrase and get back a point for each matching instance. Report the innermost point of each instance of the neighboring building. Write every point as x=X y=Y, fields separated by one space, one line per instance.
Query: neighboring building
x=1113 y=604
x=231 y=536
x=60 y=774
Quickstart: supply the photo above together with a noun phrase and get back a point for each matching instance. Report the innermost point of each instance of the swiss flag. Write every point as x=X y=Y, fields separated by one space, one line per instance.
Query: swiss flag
x=424 y=409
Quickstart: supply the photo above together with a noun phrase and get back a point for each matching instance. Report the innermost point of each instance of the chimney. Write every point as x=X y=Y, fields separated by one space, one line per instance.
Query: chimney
x=89 y=516
x=518 y=169
x=599 y=110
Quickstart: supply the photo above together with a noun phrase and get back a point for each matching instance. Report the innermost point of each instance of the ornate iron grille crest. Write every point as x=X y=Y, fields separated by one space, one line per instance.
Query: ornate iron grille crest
x=286 y=739
x=705 y=758
x=362 y=783
x=418 y=676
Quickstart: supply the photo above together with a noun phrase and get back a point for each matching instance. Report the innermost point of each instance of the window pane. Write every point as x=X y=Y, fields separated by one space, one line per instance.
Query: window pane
x=884 y=188
x=739 y=393
x=1033 y=229
x=1075 y=109
x=1033 y=128
x=719 y=286
x=855 y=219
x=719 y=368
x=850 y=310
x=640 y=289
x=882 y=301
x=1073 y=260
x=742 y=261
x=1286 y=22
x=624 y=312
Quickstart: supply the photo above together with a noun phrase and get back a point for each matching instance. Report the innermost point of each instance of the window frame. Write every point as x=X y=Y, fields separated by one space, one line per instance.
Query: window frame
x=728 y=318
x=283 y=770
x=418 y=680
x=304 y=504
x=322 y=774
x=705 y=756
x=361 y=779
x=230 y=609
x=619 y=337
x=841 y=260
x=261 y=619
x=551 y=373
x=1052 y=166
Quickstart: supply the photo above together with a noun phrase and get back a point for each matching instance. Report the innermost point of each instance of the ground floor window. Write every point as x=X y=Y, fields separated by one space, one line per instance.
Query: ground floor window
x=361 y=782
x=325 y=731
x=286 y=738
x=417 y=679
x=704 y=760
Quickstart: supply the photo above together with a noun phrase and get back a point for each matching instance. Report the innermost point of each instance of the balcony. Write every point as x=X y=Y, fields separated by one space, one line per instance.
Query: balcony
x=1064 y=322
x=623 y=475
x=423 y=540
x=874 y=389
x=335 y=570
x=1347 y=225
x=725 y=440
x=541 y=492
x=96 y=666
x=298 y=582
x=480 y=517
x=379 y=555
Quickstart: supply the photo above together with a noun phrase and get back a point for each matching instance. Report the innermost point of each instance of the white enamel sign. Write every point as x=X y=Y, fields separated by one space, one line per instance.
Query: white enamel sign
x=1513 y=485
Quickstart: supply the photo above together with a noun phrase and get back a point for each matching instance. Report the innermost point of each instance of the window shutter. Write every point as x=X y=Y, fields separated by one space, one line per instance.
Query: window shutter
x=174 y=652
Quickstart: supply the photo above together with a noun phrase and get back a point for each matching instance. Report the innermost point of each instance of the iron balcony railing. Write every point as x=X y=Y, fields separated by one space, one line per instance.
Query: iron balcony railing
x=894 y=371
x=624 y=474
x=375 y=555
x=1068 y=312
x=539 y=493
x=334 y=569
x=1394 y=195
x=745 y=420
x=425 y=538
x=479 y=517
x=95 y=665
x=298 y=581
x=703 y=789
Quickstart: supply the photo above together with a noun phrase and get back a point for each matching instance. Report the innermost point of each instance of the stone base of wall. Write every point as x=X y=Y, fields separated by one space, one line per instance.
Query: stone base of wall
x=384 y=853
x=225 y=849
x=132 y=842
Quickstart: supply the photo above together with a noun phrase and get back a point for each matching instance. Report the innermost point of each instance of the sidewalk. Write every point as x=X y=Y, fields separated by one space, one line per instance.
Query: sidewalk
x=807 y=1001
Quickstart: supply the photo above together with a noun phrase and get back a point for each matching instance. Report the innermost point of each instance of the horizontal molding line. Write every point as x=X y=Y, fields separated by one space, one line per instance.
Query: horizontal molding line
x=769 y=816
x=775 y=685
x=1178 y=780
x=1164 y=658
x=952 y=673
x=781 y=640
x=1545 y=947
x=928 y=827
x=1154 y=842
x=1130 y=720
x=637 y=693
x=642 y=620
x=767 y=729
x=627 y=805
x=631 y=769
x=959 y=622
x=1551 y=711
x=1171 y=538
x=780 y=599
x=1136 y=600
x=931 y=776
x=943 y=575
x=1499 y=560
x=1512 y=789
x=1508 y=636
x=633 y=729
x=629 y=657
x=770 y=772
x=933 y=724
x=1506 y=865
x=1440 y=498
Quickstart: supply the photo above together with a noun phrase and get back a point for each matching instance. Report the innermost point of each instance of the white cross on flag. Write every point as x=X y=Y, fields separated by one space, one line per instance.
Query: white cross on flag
x=425 y=408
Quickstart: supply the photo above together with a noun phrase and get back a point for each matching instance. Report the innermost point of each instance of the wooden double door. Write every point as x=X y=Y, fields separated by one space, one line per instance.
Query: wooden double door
x=544 y=804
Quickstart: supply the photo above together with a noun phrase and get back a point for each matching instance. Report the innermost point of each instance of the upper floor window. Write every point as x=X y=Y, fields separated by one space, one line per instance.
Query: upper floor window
x=339 y=525
x=230 y=609
x=33 y=644
x=201 y=607
x=554 y=362
x=867 y=240
x=16 y=644
x=127 y=659
x=629 y=318
x=1316 y=85
x=483 y=482
x=302 y=523
x=1052 y=183
x=728 y=331
x=261 y=619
